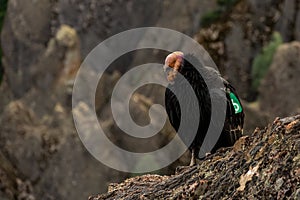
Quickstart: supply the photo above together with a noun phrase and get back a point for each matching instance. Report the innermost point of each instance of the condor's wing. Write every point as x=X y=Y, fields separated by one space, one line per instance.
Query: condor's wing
x=172 y=108
x=235 y=114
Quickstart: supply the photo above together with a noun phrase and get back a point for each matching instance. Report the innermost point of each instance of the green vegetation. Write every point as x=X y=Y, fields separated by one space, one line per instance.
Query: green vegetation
x=3 y=7
x=263 y=60
x=210 y=17
x=224 y=6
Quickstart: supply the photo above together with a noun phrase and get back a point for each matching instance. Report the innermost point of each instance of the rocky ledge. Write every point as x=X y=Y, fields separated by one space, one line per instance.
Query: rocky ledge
x=264 y=165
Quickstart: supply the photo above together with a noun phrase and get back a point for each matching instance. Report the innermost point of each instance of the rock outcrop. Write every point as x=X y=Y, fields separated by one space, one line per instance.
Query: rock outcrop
x=264 y=165
x=280 y=91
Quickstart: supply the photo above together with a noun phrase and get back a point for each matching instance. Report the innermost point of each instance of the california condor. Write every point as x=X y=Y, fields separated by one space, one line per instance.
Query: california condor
x=177 y=62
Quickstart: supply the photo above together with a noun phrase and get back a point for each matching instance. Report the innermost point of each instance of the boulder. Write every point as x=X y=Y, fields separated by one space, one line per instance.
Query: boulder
x=280 y=91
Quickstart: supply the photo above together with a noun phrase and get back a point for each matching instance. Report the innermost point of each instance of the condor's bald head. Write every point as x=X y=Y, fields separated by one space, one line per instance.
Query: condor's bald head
x=173 y=65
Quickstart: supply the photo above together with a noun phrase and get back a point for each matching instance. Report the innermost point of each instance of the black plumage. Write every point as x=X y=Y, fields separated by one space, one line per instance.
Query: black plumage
x=234 y=116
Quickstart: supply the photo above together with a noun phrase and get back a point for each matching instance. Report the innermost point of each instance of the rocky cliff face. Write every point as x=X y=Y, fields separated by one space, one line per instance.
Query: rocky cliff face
x=236 y=39
x=29 y=33
x=43 y=46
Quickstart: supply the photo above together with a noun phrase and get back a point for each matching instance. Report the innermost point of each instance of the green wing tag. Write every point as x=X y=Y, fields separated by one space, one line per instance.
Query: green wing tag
x=236 y=103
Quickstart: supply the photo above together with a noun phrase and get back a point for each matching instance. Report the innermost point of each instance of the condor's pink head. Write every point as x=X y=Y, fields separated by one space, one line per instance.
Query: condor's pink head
x=173 y=64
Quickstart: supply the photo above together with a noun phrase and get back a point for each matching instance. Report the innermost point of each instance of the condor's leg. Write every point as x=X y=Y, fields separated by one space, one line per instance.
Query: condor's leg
x=193 y=159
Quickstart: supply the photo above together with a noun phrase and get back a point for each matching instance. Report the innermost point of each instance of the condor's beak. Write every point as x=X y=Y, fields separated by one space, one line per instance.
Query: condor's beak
x=165 y=68
x=169 y=74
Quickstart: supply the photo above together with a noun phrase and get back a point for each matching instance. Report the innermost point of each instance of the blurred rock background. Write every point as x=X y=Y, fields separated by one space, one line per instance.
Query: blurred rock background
x=254 y=43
